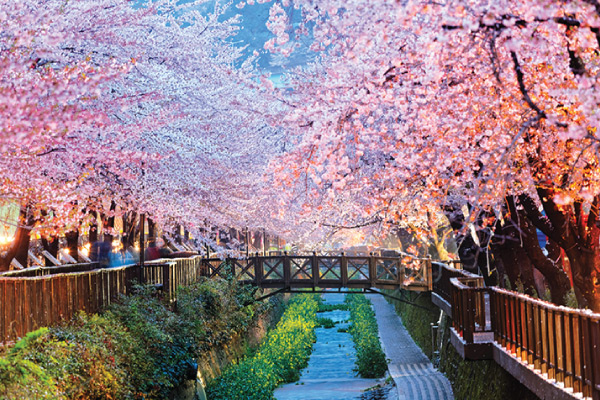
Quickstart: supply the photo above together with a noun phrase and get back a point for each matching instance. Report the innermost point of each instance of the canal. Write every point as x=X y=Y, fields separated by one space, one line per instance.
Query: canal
x=330 y=372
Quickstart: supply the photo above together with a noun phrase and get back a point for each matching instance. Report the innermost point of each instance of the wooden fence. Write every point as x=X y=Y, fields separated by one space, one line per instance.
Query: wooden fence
x=561 y=343
x=338 y=271
x=46 y=298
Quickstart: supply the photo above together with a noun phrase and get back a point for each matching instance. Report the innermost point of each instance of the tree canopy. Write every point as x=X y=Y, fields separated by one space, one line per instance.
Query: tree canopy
x=485 y=112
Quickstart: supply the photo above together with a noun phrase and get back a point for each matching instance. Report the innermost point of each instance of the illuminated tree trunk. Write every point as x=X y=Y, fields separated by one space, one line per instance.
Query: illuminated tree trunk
x=93 y=233
x=523 y=236
x=73 y=243
x=130 y=229
x=20 y=243
x=577 y=234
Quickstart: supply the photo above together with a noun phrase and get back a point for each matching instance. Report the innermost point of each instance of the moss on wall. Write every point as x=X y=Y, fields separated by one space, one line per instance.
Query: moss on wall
x=470 y=379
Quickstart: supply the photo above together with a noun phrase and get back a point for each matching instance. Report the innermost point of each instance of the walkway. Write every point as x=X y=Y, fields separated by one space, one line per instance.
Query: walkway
x=413 y=373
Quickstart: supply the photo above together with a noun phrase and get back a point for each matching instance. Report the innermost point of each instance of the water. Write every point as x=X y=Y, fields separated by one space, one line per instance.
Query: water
x=330 y=372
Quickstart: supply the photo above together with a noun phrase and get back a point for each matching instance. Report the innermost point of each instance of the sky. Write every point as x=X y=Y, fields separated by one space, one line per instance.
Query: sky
x=254 y=34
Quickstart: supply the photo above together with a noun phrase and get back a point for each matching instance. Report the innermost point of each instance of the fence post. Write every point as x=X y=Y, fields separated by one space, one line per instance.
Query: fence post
x=258 y=270
x=468 y=313
x=344 y=269
x=429 y=273
x=287 y=273
x=167 y=280
x=372 y=270
x=315 y=269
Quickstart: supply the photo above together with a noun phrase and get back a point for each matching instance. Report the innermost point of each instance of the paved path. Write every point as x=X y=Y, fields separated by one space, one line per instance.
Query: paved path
x=413 y=373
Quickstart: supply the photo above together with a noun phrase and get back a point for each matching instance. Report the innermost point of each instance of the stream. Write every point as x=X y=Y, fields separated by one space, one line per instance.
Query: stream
x=330 y=372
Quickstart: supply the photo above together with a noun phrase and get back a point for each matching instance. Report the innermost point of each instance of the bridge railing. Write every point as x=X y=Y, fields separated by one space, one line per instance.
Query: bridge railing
x=470 y=316
x=311 y=271
x=60 y=269
x=441 y=275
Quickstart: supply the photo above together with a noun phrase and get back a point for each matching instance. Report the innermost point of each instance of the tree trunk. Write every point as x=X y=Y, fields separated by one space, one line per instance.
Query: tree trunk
x=474 y=257
x=51 y=245
x=578 y=235
x=151 y=231
x=73 y=243
x=108 y=224
x=556 y=278
x=517 y=266
x=130 y=229
x=20 y=245
x=93 y=233
x=584 y=264
x=22 y=254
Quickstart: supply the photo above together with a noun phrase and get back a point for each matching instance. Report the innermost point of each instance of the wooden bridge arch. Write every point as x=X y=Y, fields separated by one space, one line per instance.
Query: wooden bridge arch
x=289 y=272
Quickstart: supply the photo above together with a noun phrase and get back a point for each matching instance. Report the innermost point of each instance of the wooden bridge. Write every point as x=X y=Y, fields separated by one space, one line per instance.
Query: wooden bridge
x=289 y=272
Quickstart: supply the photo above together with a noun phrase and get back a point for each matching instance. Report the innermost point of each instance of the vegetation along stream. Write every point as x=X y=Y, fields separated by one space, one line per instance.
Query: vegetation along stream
x=331 y=371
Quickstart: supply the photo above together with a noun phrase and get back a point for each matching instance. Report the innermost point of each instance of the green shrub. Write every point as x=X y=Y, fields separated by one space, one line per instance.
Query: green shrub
x=333 y=307
x=325 y=322
x=371 y=361
x=279 y=359
x=140 y=348
x=22 y=378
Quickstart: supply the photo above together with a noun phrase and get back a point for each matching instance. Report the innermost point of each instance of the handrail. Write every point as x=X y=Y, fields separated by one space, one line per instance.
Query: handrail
x=562 y=343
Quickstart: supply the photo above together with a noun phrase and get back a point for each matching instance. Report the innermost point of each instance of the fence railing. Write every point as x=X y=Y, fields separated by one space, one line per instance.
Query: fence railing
x=562 y=343
x=441 y=275
x=60 y=269
x=470 y=315
x=311 y=271
x=47 y=297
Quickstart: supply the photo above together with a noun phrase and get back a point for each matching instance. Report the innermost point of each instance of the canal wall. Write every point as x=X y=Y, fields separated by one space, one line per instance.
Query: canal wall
x=214 y=360
x=470 y=379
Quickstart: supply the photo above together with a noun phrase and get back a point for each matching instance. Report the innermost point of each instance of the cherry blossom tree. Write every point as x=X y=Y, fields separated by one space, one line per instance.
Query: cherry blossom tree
x=490 y=106
x=150 y=108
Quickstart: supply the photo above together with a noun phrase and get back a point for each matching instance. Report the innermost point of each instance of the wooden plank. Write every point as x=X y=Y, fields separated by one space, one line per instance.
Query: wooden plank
x=18 y=302
x=568 y=343
x=46 y=294
x=552 y=355
x=27 y=324
x=83 y=257
x=545 y=339
x=11 y=309
x=50 y=257
x=522 y=334
x=560 y=347
x=537 y=336
x=577 y=353
x=35 y=260
x=16 y=264
x=66 y=256
x=38 y=288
